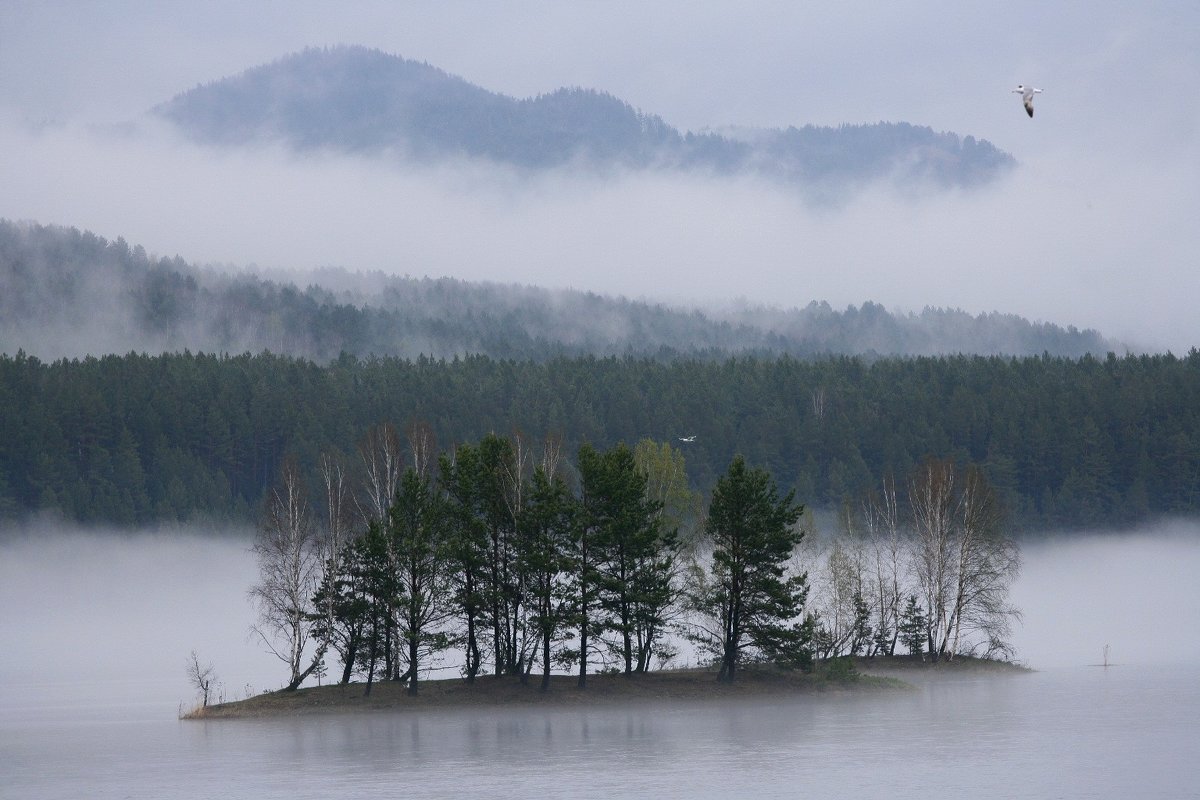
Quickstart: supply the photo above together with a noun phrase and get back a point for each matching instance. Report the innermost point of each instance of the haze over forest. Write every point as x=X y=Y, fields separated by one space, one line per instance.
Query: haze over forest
x=361 y=202
x=1049 y=238
x=354 y=100
x=69 y=293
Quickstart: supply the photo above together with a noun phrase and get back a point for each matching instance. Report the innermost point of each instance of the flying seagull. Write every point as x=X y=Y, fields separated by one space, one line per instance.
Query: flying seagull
x=1027 y=93
x=691 y=438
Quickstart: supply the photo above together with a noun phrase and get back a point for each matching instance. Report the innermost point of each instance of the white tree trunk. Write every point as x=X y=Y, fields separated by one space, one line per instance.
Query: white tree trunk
x=931 y=494
x=289 y=561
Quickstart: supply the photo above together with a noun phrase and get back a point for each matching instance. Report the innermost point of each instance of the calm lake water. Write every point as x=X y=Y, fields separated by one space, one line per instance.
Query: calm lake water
x=1082 y=732
x=95 y=636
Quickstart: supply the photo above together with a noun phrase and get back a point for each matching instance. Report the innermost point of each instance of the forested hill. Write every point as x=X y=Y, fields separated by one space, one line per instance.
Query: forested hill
x=67 y=293
x=363 y=101
x=129 y=439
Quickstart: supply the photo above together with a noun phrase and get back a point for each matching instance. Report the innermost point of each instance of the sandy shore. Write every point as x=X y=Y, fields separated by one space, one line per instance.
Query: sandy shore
x=692 y=685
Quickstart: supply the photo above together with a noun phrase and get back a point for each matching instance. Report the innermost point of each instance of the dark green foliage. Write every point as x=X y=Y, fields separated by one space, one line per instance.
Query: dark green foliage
x=861 y=637
x=139 y=438
x=343 y=604
x=372 y=570
x=632 y=560
x=421 y=556
x=499 y=502
x=914 y=627
x=882 y=643
x=759 y=604
x=498 y=554
x=544 y=556
x=841 y=670
x=586 y=555
x=468 y=541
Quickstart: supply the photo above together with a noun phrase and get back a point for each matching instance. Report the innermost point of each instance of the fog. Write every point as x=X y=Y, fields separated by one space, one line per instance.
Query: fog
x=669 y=237
x=1136 y=592
x=123 y=611
x=1094 y=229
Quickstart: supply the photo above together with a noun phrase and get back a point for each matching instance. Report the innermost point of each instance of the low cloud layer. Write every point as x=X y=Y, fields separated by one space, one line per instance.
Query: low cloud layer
x=127 y=608
x=1062 y=240
x=1135 y=593
x=132 y=606
x=1095 y=228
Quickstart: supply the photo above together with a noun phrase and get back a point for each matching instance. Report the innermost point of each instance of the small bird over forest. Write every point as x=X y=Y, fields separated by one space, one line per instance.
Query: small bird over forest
x=687 y=438
x=1027 y=93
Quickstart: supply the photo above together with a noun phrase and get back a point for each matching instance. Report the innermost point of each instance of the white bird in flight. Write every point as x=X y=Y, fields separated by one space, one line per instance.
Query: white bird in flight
x=687 y=438
x=1027 y=93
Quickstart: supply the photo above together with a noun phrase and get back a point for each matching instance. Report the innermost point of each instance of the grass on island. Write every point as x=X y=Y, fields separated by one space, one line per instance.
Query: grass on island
x=661 y=686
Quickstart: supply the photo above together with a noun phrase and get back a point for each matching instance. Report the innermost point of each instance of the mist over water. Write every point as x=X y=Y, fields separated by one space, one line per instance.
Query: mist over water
x=1136 y=592
x=123 y=611
x=97 y=626
x=124 y=608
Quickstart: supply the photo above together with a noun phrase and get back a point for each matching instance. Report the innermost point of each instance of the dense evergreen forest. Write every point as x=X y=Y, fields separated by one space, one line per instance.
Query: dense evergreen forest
x=1065 y=442
x=362 y=101
x=69 y=293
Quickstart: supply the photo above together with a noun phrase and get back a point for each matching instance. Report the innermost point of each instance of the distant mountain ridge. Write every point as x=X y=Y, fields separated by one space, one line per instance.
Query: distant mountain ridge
x=363 y=101
x=69 y=293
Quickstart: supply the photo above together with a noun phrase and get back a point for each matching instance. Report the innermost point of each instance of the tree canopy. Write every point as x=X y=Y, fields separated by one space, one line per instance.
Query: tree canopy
x=756 y=601
x=130 y=439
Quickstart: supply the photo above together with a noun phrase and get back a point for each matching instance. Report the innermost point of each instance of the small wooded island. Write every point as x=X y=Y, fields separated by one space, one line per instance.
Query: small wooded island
x=605 y=689
x=543 y=579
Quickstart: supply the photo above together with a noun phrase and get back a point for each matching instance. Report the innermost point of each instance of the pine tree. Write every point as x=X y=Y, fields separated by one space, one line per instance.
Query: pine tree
x=545 y=532
x=914 y=627
x=757 y=603
x=420 y=550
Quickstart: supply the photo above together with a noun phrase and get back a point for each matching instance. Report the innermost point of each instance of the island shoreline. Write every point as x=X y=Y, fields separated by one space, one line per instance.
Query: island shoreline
x=677 y=686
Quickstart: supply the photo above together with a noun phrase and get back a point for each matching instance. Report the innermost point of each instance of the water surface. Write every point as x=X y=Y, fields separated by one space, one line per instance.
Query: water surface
x=96 y=632
x=1066 y=732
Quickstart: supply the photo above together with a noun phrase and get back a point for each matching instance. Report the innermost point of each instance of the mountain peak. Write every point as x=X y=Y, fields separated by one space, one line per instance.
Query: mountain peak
x=358 y=100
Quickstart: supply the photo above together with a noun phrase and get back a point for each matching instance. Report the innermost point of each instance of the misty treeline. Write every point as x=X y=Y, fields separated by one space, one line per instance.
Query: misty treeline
x=510 y=558
x=362 y=101
x=137 y=438
x=69 y=293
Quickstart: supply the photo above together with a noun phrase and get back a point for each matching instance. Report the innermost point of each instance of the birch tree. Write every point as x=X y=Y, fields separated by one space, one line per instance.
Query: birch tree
x=382 y=458
x=338 y=615
x=289 y=569
x=986 y=562
x=881 y=518
x=962 y=561
x=931 y=496
x=667 y=485
x=838 y=590
x=422 y=446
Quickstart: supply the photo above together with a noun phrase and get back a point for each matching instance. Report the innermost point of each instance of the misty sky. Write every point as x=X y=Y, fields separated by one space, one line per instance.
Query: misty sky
x=1096 y=228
